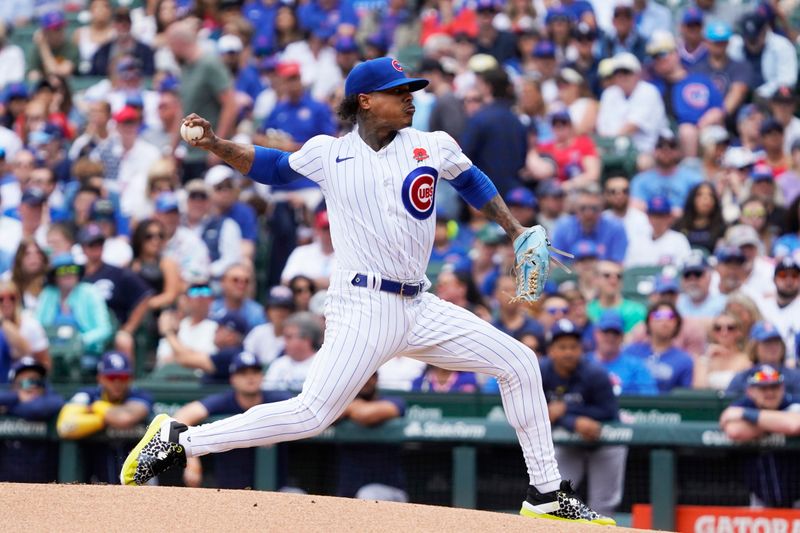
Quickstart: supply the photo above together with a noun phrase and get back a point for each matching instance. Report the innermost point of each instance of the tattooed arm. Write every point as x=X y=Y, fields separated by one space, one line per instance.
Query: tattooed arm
x=239 y=156
x=497 y=211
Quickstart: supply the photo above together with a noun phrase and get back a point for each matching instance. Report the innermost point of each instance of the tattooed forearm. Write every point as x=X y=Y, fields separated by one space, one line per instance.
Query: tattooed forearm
x=239 y=156
x=497 y=211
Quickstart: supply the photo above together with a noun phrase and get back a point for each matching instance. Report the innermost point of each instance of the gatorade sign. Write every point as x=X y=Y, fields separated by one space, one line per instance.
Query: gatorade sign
x=703 y=519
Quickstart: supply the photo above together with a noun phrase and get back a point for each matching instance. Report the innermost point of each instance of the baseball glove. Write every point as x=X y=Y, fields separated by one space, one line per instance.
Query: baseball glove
x=532 y=265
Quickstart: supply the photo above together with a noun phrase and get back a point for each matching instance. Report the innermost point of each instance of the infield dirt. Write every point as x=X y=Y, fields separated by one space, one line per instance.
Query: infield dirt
x=106 y=508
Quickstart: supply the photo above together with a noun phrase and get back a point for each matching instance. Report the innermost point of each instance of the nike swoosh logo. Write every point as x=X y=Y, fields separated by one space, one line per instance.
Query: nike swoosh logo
x=339 y=160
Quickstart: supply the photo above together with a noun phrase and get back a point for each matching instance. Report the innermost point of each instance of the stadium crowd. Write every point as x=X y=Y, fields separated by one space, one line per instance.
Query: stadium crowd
x=656 y=145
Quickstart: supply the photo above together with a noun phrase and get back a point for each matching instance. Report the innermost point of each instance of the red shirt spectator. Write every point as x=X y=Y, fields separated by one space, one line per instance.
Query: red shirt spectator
x=575 y=155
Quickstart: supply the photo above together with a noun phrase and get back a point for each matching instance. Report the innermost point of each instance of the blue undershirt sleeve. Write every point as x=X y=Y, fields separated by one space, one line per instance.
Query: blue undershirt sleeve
x=474 y=186
x=271 y=167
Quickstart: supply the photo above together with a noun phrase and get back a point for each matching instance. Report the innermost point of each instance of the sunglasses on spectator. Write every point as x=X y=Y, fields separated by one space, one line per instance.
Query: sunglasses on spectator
x=197 y=195
x=694 y=274
x=615 y=190
x=561 y=123
x=754 y=212
x=224 y=186
x=154 y=236
x=592 y=208
x=303 y=288
x=68 y=270
x=10 y=297
x=609 y=275
x=787 y=274
x=30 y=383
x=199 y=292
x=473 y=100
x=94 y=243
x=725 y=327
x=556 y=310
x=662 y=314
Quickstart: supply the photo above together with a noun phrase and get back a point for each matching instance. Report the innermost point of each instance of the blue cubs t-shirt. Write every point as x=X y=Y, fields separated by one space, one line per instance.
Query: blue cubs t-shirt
x=671 y=369
x=691 y=97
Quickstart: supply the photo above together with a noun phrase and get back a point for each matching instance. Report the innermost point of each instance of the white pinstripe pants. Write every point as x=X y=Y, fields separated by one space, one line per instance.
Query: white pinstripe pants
x=364 y=329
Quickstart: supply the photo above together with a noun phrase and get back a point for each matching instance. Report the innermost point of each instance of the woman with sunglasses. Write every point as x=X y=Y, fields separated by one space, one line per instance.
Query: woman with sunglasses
x=671 y=366
x=702 y=221
x=303 y=288
x=29 y=271
x=24 y=333
x=767 y=348
x=724 y=357
x=161 y=273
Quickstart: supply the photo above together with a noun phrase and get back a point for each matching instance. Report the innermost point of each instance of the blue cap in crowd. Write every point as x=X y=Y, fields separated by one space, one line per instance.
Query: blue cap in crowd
x=102 y=209
x=244 y=360
x=166 y=202
x=692 y=15
x=557 y=13
x=563 y=328
x=746 y=111
x=377 y=40
x=379 y=75
x=562 y=116
x=752 y=24
x=280 y=296
x=665 y=283
x=15 y=90
x=585 y=249
x=786 y=263
x=611 y=320
x=764 y=331
x=729 y=254
x=696 y=262
x=52 y=20
x=551 y=188
x=233 y=320
x=488 y=5
x=659 y=205
x=770 y=125
x=26 y=363
x=90 y=233
x=345 y=44
x=114 y=364
x=544 y=49
x=764 y=376
x=718 y=31
x=521 y=196
x=33 y=197
x=762 y=172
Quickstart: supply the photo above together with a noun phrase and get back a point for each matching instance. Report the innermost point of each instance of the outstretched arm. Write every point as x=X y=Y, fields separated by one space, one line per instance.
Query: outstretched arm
x=497 y=210
x=479 y=191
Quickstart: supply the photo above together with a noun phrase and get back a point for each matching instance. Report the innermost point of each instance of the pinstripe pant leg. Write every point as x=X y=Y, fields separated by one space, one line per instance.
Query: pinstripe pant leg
x=451 y=337
x=364 y=329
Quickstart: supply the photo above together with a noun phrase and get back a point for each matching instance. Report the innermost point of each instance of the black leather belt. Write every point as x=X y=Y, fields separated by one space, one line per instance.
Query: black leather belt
x=395 y=287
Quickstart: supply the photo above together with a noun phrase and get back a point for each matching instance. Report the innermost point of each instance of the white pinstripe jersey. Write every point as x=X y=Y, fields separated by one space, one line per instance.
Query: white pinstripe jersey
x=381 y=205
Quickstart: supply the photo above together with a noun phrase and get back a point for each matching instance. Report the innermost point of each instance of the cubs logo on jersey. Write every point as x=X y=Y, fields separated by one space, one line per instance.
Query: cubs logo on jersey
x=418 y=192
x=696 y=95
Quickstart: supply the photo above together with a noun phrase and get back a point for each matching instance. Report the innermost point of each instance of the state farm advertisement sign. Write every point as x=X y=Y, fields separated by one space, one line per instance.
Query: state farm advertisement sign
x=702 y=519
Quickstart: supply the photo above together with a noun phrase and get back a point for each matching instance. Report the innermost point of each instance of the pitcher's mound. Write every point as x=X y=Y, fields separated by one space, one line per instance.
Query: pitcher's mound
x=106 y=508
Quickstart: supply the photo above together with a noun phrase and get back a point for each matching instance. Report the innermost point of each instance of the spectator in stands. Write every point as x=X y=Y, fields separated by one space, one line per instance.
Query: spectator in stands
x=228 y=337
x=575 y=95
x=609 y=296
x=773 y=156
x=12 y=59
x=789 y=241
x=585 y=266
x=771 y=56
x=302 y=333
x=161 y=177
x=494 y=138
x=629 y=375
x=369 y=471
x=724 y=358
x=234 y=469
x=23 y=333
x=651 y=16
x=30 y=398
x=580 y=399
x=783 y=311
x=759 y=268
x=92 y=36
x=575 y=155
x=512 y=317
x=67 y=301
x=303 y=288
x=53 y=53
x=590 y=224
x=123 y=43
x=235 y=285
x=790 y=180
x=523 y=205
x=97 y=131
x=245 y=76
x=668 y=178
x=159 y=271
x=669 y=365
x=114 y=403
x=691 y=47
x=15 y=100
x=205 y=89
x=29 y=272
x=730 y=269
x=664 y=246
x=31 y=215
x=585 y=62
x=701 y=221
x=435 y=379
x=744 y=309
x=182 y=245
x=625 y=38
x=317 y=259
x=447 y=113
x=767 y=348
x=116 y=250
x=696 y=301
x=499 y=44
x=617 y=195
x=164 y=129
x=221 y=182
x=125 y=293
x=456 y=286
x=195 y=330
x=731 y=77
x=221 y=235
x=782 y=106
x=631 y=106
x=767 y=408
x=266 y=340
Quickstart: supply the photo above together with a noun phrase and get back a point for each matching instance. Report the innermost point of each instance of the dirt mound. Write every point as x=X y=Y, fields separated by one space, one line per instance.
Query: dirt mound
x=90 y=508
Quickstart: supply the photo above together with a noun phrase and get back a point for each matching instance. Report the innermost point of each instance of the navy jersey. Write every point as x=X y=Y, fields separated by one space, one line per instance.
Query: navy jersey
x=362 y=464
x=222 y=360
x=236 y=469
x=587 y=392
x=120 y=288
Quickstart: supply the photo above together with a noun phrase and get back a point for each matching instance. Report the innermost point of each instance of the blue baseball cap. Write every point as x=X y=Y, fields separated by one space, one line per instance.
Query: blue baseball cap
x=762 y=172
x=33 y=196
x=610 y=320
x=659 y=205
x=52 y=20
x=692 y=15
x=114 y=363
x=718 y=31
x=562 y=115
x=557 y=13
x=166 y=202
x=764 y=376
x=521 y=196
x=90 y=233
x=770 y=125
x=377 y=40
x=379 y=75
x=563 y=328
x=26 y=363
x=233 y=320
x=666 y=284
x=345 y=45
x=729 y=254
x=280 y=296
x=551 y=188
x=764 y=331
x=487 y=5
x=585 y=249
x=696 y=262
x=544 y=49
x=15 y=90
x=244 y=360
x=102 y=209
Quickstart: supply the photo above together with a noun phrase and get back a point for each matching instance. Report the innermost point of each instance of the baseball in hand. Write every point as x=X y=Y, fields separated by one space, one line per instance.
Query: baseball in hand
x=191 y=133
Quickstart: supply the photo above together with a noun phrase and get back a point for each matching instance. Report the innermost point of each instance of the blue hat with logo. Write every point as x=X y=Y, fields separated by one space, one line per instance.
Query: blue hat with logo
x=764 y=331
x=729 y=254
x=564 y=328
x=718 y=31
x=770 y=125
x=233 y=320
x=585 y=249
x=26 y=363
x=102 y=209
x=33 y=196
x=280 y=296
x=764 y=376
x=521 y=196
x=659 y=205
x=544 y=49
x=556 y=14
x=666 y=284
x=114 y=363
x=379 y=75
x=692 y=15
x=244 y=360
x=762 y=172
x=696 y=262
x=52 y=20
x=91 y=233
x=166 y=202
x=345 y=45
x=610 y=320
